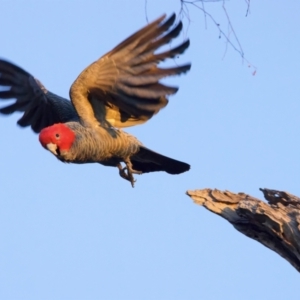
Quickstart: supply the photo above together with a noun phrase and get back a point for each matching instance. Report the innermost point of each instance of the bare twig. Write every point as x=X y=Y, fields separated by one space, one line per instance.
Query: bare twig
x=146 y=13
x=234 y=43
x=248 y=7
x=200 y=4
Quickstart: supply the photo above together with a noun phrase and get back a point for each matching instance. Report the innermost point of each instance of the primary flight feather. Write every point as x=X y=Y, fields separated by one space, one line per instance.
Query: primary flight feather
x=120 y=89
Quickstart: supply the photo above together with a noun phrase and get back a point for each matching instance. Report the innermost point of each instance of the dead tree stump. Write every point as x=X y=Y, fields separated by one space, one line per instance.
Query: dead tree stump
x=275 y=223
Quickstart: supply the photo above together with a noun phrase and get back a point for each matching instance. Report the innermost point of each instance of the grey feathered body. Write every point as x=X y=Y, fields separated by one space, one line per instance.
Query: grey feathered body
x=106 y=146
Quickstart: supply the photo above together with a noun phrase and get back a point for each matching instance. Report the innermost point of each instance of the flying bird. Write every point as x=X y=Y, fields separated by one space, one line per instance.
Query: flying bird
x=120 y=89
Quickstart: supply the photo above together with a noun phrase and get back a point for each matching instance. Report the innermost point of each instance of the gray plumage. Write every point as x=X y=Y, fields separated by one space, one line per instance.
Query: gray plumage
x=121 y=89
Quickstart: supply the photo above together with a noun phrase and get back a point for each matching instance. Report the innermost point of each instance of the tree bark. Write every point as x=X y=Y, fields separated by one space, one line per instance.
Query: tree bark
x=275 y=224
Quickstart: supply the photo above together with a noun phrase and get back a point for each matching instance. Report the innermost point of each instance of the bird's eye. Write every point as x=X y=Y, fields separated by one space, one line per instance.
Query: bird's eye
x=57 y=135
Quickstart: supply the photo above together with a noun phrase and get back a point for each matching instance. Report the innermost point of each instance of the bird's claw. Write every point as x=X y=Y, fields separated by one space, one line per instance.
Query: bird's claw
x=127 y=175
x=127 y=172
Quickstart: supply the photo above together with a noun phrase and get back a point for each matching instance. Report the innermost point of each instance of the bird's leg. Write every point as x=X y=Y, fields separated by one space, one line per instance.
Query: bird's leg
x=128 y=175
x=122 y=172
x=131 y=171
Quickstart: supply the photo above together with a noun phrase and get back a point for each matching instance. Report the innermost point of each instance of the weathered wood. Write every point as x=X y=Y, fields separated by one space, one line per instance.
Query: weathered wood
x=275 y=224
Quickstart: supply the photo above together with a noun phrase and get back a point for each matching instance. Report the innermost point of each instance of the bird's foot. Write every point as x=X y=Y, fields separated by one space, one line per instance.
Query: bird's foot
x=127 y=172
x=126 y=175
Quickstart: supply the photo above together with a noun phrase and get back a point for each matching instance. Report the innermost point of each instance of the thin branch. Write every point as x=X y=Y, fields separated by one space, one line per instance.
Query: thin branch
x=200 y=4
x=146 y=13
x=184 y=12
x=248 y=7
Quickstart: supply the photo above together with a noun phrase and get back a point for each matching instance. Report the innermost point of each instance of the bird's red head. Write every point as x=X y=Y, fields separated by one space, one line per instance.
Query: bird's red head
x=57 y=137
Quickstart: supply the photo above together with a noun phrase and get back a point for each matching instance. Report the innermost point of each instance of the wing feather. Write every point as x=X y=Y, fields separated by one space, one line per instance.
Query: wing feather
x=122 y=88
x=41 y=108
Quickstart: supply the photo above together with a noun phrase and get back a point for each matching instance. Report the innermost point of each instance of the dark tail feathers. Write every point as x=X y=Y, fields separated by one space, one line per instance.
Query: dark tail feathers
x=147 y=161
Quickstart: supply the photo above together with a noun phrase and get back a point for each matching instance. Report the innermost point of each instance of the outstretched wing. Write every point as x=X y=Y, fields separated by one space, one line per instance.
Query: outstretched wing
x=122 y=88
x=41 y=108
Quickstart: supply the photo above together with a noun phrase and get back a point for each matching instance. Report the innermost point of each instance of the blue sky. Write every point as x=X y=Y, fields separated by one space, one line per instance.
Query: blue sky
x=81 y=232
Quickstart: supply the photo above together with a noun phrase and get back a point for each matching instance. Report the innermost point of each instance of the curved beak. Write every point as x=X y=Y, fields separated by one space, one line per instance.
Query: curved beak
x=52 y=148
